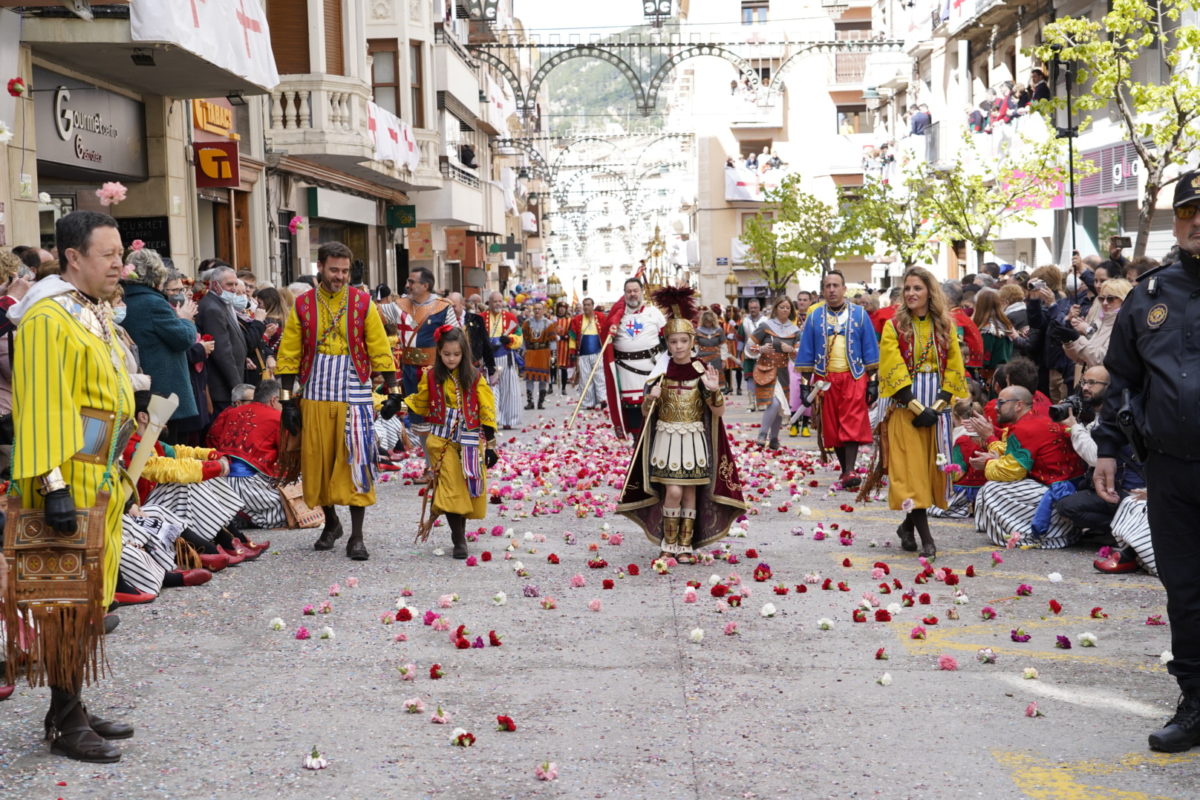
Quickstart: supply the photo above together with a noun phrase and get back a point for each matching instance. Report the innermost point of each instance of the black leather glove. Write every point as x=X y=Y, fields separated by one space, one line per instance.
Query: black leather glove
x=872 y=391
x=926 y=419
x=60 y=511
x=489 y=433
x=290 y=416
x=391 y=406
x=490 y=457
x=506 y=340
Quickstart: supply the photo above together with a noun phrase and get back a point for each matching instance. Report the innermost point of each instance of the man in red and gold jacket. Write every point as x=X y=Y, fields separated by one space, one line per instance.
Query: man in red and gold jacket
x=248 y=435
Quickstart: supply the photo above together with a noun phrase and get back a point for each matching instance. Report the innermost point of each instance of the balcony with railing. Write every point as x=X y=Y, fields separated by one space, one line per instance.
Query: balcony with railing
x=325 y=119
x=849 y=69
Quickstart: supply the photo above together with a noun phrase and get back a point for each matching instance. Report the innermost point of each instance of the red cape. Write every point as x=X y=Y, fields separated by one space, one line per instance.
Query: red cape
x=611 y=321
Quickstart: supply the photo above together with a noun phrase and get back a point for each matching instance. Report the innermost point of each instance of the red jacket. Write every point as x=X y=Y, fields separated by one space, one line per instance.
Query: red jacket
x=1041 y=406
x=880 y=318
x=971 y=337
x=249 y=432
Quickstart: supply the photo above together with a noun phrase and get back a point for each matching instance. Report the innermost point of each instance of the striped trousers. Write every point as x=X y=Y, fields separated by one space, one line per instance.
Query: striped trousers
x=1003 y=508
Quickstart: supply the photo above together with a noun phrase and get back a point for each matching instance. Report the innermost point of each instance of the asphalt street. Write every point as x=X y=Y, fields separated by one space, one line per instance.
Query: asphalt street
x=621 y=699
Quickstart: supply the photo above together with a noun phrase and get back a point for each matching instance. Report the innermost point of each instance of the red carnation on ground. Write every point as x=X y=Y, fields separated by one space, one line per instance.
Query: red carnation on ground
x=882 y=615
x=404 y=615
x=462 y=643
x=552 y=558
x=633 y=570
x=859 y=615
x=827 y=584
x=435 y=672
x=952 y=580
x=720 y=590
x=751 y=553
x=494 y=639
x=1055 y=606
x=801 y=588
x=881 y=565
x=506 y=724
x=846 y=562
x=607 y=583
x=486 y=555
x=923 y=599
x=930 y=620
x=970 y=571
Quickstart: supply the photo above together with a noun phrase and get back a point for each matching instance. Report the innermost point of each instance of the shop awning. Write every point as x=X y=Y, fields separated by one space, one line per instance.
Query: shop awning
x=164 y=47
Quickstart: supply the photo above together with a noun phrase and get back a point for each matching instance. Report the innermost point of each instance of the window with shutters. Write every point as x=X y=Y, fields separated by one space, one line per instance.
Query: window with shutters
x=416 y=80
x=385 y=74
x=288 y=23
x=335 y=62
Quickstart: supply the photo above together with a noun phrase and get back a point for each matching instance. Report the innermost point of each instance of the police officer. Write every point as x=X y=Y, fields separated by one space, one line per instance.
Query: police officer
x=1154 y=353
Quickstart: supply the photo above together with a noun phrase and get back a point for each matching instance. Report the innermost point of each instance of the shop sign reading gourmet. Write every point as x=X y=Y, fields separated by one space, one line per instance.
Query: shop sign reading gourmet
x=86 y=131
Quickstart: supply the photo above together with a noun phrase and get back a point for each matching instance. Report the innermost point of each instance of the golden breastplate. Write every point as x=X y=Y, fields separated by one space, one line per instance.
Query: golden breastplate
x=681 y=401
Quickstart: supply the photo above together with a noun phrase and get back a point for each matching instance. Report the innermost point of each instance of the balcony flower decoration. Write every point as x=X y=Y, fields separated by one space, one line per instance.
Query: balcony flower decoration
x=295 y=224
x=17 y=87
x=111 y=193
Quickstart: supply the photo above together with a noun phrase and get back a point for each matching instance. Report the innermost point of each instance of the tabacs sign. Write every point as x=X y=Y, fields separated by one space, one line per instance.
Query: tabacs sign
x=217 y=165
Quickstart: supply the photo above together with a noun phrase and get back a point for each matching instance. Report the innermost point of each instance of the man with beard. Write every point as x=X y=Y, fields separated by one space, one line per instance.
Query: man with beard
x=1028 y=470
x=422 y=313
x=838 y=346
x=333 y=341
x=636 y=330
x=1086 y=509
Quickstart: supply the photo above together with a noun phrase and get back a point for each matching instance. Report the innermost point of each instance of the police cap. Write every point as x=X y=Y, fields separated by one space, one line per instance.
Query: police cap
x=1187 y=190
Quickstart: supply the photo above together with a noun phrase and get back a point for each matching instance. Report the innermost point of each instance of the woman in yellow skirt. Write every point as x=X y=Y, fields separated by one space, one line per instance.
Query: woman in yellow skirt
x=456 y=400
x=921 y=375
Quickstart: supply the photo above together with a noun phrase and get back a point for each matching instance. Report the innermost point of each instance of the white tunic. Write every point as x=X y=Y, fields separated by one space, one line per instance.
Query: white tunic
x=639 y=330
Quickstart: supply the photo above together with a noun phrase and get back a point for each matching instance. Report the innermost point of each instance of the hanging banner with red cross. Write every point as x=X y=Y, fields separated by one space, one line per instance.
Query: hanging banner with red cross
x=232 y=34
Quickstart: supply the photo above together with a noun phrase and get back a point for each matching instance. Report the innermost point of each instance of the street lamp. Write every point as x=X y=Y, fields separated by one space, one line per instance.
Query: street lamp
x=732 y=287
x=1069 y=133
x=655 y=11
x=554 y=289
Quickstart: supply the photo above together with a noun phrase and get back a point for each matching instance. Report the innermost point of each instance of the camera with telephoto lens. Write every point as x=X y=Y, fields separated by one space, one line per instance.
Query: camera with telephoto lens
x=1072 y=405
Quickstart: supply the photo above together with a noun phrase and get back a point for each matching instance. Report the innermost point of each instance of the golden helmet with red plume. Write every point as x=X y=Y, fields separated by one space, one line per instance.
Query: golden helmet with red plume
x=678 y=303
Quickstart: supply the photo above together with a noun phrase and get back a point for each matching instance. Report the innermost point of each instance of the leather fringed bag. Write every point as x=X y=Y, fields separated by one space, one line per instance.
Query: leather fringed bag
x=289 y=457
x=55 y=588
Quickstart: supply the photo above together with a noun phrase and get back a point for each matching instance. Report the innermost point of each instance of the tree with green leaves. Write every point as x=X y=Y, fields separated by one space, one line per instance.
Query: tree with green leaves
x=799 y=232
x=1160 y=116
x=975 y=196
x=900 y=217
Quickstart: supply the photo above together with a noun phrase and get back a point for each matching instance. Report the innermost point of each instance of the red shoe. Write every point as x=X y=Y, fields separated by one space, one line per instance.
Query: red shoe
x=215 y=562
x=261 y=547
x=246 y=553
x=233 y=558
x=196 y=577
x=6 y=692
x=134 y=599
x=1115 y=564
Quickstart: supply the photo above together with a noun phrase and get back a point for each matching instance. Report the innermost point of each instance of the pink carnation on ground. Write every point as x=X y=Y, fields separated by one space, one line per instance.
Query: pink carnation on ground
x=947 y=663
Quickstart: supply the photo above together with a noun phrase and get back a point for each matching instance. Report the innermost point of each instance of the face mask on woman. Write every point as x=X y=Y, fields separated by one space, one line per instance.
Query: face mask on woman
x=177 y=299
x=240 y=302
x=119 y=314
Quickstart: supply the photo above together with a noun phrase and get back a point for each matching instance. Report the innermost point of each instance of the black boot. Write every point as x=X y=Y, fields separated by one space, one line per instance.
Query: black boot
x=332 y=531
x=541 y=399
x=458 y=534
x=71 y=734
x=355 y=548
x=529 y=400
x=1182 y=731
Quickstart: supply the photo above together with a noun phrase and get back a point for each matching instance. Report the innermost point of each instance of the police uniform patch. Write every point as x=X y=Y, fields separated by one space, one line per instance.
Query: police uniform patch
x=1156 y=316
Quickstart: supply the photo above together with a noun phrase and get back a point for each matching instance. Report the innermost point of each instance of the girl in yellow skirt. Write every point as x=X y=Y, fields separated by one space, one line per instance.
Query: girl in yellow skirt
x=921 y=374
x=456 y=400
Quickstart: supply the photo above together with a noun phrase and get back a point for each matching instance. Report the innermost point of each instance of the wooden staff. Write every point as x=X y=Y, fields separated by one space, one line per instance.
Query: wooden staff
x=638 y=446
x=426 y=526
x=591 y=376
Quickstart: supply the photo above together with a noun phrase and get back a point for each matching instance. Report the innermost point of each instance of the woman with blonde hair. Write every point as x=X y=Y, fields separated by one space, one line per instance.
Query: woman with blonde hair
x=921 y=374
x=1092 y=345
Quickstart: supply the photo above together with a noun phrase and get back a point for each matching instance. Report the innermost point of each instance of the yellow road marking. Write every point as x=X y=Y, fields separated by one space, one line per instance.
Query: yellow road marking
x=1042 y=779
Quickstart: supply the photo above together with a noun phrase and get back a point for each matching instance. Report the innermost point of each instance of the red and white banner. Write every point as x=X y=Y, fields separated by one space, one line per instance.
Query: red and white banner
x=229 y=33
x=393 y=137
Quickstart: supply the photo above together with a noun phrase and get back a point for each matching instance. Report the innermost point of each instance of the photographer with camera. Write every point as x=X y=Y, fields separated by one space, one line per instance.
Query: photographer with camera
x=1086 y=509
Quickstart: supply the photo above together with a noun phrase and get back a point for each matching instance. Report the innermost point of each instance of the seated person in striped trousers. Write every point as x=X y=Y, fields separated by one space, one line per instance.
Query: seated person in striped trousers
x=190 y=483
x=1033 y=466
x=248 y=437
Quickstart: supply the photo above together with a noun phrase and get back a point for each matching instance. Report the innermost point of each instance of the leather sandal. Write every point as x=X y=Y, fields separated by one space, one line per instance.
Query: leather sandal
x=686 y=558
x=328 y=537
